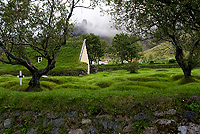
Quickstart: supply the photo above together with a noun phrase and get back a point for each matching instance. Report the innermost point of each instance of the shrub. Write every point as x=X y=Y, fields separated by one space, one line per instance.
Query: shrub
x=132 y=67
x=172 y=61
x=151 y=62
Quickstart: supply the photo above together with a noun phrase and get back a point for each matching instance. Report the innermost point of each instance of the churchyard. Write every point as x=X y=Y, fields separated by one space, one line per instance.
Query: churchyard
x=117 y=96
x=149 y=101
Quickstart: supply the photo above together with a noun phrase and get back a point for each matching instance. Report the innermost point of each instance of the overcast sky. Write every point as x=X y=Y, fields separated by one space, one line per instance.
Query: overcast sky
x=101 y=24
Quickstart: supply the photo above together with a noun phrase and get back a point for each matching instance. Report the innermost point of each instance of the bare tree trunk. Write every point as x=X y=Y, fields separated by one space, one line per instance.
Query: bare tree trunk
x=186 y=67
x=34 y=84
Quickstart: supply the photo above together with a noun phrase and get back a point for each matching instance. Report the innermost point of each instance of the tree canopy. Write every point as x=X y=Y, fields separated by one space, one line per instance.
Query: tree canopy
x=176 y=21
x=94 y=47
x=126 y=46
x=31 y=27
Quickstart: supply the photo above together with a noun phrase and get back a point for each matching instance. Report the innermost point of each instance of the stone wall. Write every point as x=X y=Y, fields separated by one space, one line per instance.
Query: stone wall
x=29 y=122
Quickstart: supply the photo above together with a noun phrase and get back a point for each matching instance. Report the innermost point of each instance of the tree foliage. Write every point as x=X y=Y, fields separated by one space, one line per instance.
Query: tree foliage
x=94 y=47
x=126 y=46
x=30 y=28
x=176 y=21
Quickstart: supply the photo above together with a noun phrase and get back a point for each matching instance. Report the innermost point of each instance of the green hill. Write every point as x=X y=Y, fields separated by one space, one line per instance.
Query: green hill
x=164 y=50
x=67 y=62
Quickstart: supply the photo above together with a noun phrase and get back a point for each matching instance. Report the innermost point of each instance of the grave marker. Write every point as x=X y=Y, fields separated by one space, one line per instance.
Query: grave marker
x=20 y=76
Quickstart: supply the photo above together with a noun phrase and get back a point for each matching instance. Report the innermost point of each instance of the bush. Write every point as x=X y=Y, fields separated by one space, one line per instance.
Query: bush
x=132 y=67
x=172 y=61
x=151 y=62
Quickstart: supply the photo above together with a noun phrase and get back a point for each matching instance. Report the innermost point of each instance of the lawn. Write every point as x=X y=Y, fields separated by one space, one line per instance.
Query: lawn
x=113 y=92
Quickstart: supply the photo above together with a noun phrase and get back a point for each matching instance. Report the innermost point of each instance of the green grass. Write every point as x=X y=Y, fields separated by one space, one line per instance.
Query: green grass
x=67 y=62
x=147 y=90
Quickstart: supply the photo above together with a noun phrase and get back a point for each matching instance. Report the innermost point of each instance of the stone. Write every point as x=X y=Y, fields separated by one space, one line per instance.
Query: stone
x=164 y=121
x=171 y=112
x=77 y=131
x=18 y=113
x=105 y=124
x=7 y=123
x=28 y=113
x=113 y=132
x=57 y=122
x=166 y=126
x=182 y=129
x=189 y=115
x=86 y=121
x=44 y=123
x=92 y=130
x=31 y=131
x=103 y=116
x=193 y=128
x=163 y=113
x=114 y=126
x=4 y=115
x=51 y=115
x=141 y=116
x=17 y=132
x=128 y=129
x=150 y=130
x=71 y=114
x=54 y=130
x=121 y=118
x=110 y=125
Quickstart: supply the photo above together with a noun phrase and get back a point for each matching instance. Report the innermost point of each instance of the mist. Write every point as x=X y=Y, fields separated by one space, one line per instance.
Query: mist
x=93 y=21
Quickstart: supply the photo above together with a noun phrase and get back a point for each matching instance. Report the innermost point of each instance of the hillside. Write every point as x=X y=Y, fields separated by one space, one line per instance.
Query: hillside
x=164 y=50
x=67 y=61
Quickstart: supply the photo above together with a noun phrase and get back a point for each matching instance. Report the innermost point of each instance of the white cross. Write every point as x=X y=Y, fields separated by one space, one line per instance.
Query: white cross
x=20 y=76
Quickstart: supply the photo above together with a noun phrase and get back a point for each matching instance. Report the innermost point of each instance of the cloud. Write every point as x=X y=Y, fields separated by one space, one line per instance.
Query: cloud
x=97 y=22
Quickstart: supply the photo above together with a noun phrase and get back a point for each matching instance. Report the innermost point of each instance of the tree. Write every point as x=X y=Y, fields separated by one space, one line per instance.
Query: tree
x=176 y=21
x=94 y=47
x=29 y=27
x=126 y=46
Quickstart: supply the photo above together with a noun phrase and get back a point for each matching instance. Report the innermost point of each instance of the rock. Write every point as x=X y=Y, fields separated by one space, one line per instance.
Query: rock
x=189 y=115
x=150 y=130
x=182 y=129
x=103 y=116
x=92 y=130
x=141 y=116
x=77 y=131
x=44 y=123
x=54 y=130
x=57 y=122
x=128 y=129
x=164 y=121
x=17 y=132
x=28 y=113
x=114 y=126
x=121 y=118
x=193 y=128
x=18 y=113
x=163 y=113
x=171 y=112
x=105 y=124
x=4 y=115
x=86 y=121
x=31 y=131
x=110 y=125
x=50 y=115
x=71 y=114
x=7 y=123
x=166 y=126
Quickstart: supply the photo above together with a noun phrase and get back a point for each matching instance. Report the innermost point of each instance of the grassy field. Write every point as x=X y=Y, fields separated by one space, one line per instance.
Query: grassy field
x=113 y=92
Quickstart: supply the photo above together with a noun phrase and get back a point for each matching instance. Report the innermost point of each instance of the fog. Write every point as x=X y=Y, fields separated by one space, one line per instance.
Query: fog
x=94 y=21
